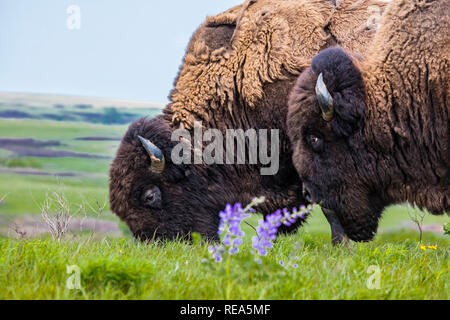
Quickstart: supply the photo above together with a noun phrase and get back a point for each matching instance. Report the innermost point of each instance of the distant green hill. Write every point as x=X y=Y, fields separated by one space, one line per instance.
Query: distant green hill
x=79 y=109
x=110 y=115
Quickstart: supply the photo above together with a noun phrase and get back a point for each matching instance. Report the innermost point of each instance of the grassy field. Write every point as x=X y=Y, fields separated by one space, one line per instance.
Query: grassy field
x=26 y=192
x=117 y=267
x=125 y=269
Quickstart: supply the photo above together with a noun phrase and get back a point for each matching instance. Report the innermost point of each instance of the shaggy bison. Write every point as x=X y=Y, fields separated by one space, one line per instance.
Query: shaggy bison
x=374 y=131
x=237 y=73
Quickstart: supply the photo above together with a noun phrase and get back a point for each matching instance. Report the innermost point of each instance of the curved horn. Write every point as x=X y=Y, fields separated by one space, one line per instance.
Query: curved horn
x=156 y=155
x=325 y=99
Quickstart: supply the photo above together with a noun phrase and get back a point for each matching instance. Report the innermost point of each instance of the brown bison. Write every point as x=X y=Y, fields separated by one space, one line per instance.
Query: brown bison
x=237 y=73
x=374 y=131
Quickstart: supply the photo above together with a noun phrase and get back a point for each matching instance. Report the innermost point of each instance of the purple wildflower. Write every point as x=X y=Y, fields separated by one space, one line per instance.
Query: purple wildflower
x=230 y=227
x=266 y=233
x=231 y=218
x=268 y=228
x=216 y=252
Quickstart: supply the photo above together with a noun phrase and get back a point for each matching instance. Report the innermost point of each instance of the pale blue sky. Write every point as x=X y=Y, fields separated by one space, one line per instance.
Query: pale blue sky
x=126 y=49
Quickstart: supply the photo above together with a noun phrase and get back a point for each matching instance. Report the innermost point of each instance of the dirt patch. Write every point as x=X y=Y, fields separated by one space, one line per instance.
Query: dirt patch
x=29 y=143
x=435 y=228
x=36 y=148
x=48 y=153
x=13 y=114
x=33 y=172
x=32 y=226
x=409 y=225
x=36 y=172
x=98 y=139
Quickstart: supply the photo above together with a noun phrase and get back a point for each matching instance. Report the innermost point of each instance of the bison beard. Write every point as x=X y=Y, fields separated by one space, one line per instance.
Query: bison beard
x=237 y=74
x=374 y=131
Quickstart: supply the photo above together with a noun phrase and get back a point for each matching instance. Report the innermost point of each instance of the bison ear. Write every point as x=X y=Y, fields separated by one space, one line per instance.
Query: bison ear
x=333 y=2
x=217 y=37
x=339 y=90
x=218 y=30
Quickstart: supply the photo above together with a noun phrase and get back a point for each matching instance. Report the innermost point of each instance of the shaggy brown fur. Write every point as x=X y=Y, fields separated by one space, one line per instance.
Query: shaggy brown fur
x=233 y=56
x=389 y=140
x=237 y=73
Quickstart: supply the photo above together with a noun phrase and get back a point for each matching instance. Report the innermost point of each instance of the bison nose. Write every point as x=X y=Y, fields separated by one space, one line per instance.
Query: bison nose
x=307 y=194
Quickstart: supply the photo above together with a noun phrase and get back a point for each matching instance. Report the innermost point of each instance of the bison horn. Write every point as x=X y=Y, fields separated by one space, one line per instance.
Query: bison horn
x=325 y=99
x=157 y=157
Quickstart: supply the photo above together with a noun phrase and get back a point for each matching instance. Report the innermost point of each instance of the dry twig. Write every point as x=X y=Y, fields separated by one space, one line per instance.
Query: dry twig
x=57 y=222
x=417 y=218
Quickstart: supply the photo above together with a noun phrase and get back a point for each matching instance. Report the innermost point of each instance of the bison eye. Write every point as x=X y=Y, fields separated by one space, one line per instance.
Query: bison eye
x=152 y=198
x=315 y=142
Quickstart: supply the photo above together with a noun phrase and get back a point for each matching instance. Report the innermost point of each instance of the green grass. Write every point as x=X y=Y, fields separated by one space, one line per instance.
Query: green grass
x=26 y=194
x=125 y=269
x=105 y=115
x=52 y=130
x=21 y=163
x=106 y=148
x=97 y=166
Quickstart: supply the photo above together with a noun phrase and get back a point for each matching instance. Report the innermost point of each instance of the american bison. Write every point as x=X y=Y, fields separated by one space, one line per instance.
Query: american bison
x=372 y=131
x=237 y=73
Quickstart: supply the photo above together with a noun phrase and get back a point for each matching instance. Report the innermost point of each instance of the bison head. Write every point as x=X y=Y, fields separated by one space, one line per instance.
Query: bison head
x=326 y=125
x=160 y=199
x=156 y=198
